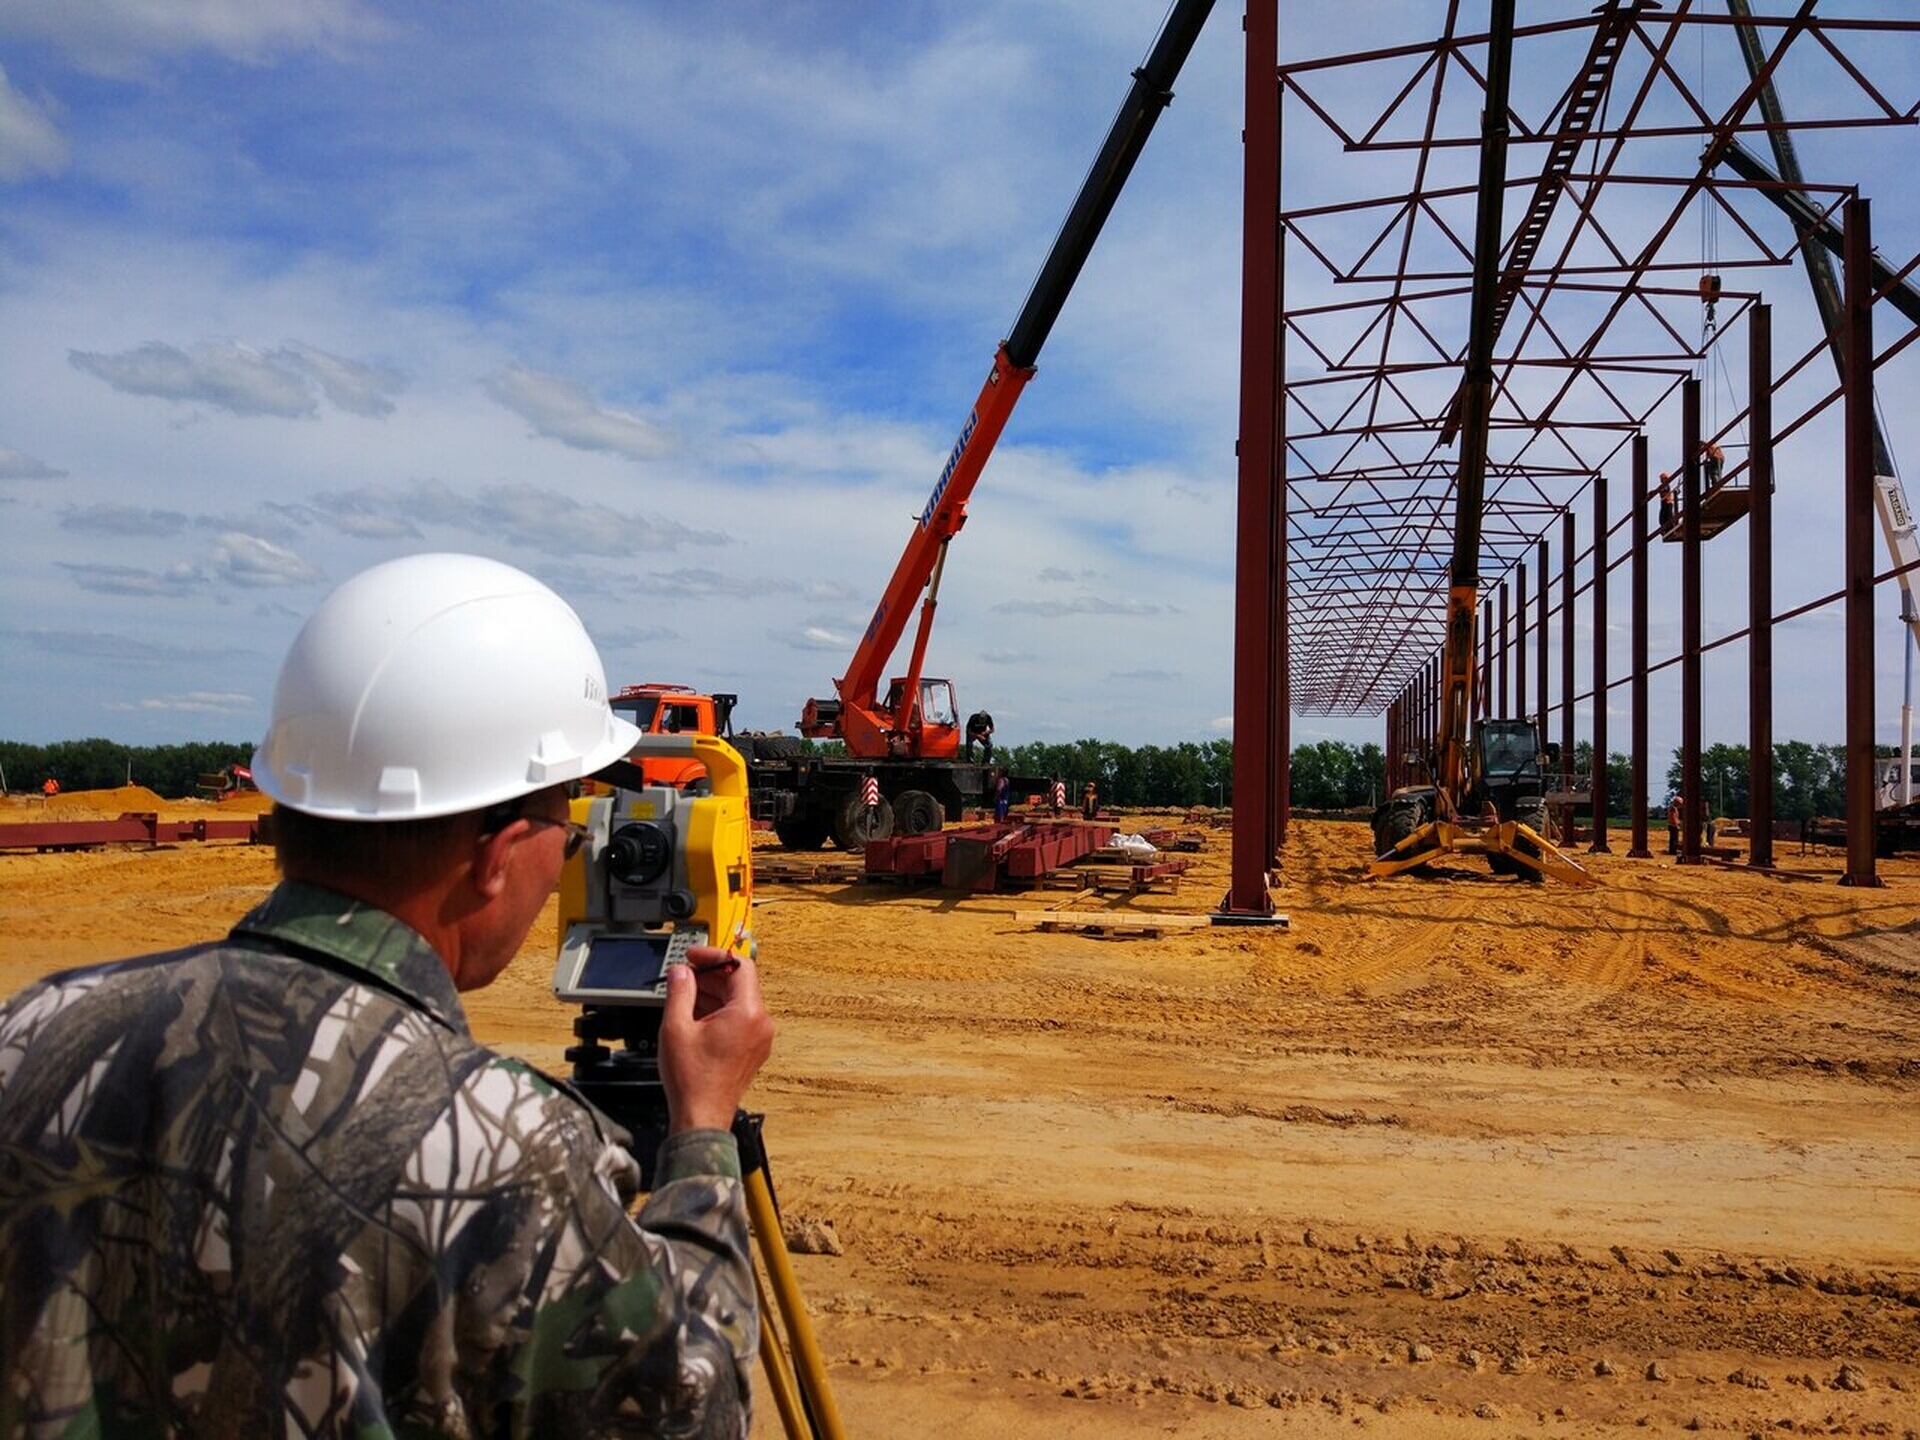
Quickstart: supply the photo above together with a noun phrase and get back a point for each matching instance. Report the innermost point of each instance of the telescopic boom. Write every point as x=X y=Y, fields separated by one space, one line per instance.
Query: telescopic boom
x=869 y=726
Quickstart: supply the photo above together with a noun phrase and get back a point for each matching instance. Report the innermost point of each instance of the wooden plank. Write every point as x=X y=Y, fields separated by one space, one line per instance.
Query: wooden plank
x=1108 y=922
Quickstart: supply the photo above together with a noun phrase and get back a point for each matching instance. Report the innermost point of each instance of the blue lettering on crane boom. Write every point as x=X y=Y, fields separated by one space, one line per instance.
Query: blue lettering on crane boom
x=940 y=486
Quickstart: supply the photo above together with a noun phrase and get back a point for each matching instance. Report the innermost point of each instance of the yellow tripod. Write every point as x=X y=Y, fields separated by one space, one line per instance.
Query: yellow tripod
x=796 y=1374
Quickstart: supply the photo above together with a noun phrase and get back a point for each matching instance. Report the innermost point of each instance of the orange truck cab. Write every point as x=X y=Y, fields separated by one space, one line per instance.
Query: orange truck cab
x=662 y=709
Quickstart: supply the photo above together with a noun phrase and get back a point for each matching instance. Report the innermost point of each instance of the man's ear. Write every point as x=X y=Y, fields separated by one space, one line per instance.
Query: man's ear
x=492 y=854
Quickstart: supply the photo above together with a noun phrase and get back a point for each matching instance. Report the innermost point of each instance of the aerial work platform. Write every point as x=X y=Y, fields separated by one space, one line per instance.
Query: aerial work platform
x=1719 y=508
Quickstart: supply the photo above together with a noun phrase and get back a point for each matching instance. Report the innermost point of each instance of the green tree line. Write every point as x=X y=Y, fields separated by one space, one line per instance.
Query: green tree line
x=1326 y=775
x=1807 y=779
x=168 y=770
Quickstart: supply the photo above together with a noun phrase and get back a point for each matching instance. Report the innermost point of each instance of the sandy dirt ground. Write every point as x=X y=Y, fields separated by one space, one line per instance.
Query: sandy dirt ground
x=1450 y=1155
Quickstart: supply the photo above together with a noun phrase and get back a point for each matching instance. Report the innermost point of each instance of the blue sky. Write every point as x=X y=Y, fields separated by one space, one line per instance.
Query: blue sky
x=679 y=307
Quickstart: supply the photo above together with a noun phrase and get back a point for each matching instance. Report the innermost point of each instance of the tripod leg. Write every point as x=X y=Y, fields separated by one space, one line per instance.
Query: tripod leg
x=773 y=1360
x=808 y=1365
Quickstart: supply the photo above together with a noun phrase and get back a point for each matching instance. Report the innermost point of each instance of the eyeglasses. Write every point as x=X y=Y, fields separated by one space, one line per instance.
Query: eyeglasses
x=576 y=834
x=503 y=815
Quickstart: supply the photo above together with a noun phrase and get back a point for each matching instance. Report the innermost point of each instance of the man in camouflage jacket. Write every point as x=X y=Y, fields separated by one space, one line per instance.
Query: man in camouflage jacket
x=272 y=1186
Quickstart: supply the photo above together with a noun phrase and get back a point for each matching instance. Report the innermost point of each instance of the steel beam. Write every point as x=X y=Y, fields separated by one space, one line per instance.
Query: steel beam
x=1637 y=664
x=1858 y=425
x=1692 y=816
x=1760 y=586
x=1260 y=550
x=1597 y=606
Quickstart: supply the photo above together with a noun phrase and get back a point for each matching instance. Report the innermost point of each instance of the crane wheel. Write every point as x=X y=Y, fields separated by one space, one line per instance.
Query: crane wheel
x=802 y=832
x=857 y=823
x=915 y=812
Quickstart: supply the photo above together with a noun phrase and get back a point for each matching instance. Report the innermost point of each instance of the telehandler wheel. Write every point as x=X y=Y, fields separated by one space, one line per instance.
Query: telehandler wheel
x=1398 y=820
x=1533 y=815
x=857 y=823
x=915 y=812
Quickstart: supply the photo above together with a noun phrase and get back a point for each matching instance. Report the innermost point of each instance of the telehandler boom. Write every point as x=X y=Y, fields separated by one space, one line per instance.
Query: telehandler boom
x=1479 y=800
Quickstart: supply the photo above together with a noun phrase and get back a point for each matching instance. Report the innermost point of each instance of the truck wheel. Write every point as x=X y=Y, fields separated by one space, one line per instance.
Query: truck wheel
x=801 y=832
x=858 y=823
x=915 y=812
x=778 y=747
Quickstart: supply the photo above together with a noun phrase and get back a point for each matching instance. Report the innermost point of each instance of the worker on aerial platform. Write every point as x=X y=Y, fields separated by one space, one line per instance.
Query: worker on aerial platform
x=1712 y=460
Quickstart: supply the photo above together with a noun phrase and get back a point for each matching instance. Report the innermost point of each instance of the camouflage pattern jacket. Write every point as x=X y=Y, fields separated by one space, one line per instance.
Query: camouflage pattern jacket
x=271 y=1186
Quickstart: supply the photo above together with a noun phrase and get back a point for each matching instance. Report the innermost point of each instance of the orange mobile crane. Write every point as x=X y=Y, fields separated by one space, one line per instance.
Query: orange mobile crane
x=907 y=740
x=1487 y=781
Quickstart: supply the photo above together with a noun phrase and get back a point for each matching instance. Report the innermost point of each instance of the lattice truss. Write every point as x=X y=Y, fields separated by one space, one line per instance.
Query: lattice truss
x=1620 y=115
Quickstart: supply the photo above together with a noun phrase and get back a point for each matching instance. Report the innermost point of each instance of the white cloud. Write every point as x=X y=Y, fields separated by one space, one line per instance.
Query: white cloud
x=194 y=703
x=249 y=561
x=288 y=382
x=225 y=375
x=1079 y=605
x=561 y=410
x=16 y=466
x=111 y=519
x=30 y=143
x=118 y=37
x=815 y=637
x=348 y=385
x=171 y=584
x=539 y=518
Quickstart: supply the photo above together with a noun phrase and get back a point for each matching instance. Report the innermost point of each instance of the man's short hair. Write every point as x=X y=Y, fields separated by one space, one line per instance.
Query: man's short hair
x=312 y=847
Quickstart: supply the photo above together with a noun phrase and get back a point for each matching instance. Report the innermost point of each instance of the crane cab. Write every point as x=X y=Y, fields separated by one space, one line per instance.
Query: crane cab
x=927 y=728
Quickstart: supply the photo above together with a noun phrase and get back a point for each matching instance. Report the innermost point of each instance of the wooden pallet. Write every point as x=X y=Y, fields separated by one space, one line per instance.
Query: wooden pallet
x=1071 y=878
x=1130 y=924
x=1134 y=877
x=807 y=870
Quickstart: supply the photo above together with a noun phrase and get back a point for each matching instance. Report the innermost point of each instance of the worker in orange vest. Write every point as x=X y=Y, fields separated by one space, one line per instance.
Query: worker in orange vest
x=51 y=788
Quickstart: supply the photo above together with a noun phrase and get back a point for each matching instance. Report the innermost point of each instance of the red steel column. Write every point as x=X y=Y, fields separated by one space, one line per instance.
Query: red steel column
x=1430 y=716
x=1503 y=648
x=1857 y=399
x=1540 y=703
x=1259 y=564
x=1486 y=658
x=1692 y=815
x=1597 y=779
x=1399 y=718
x=1566 y=640
x=1642 y=497
x=1760 y=586
x=1520 y=638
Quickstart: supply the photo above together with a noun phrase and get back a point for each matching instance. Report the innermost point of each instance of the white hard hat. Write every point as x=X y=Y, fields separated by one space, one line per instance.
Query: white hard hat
x=433 y=685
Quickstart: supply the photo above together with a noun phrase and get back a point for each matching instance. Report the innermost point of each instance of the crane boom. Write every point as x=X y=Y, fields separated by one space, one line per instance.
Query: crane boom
x=875 y=727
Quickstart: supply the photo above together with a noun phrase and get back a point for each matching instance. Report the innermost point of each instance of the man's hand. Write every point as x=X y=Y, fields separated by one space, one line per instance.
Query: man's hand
x=714 y=1037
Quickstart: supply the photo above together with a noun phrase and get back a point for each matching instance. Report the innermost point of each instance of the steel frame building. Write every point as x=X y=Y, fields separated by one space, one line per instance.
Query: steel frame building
x=1652 y=251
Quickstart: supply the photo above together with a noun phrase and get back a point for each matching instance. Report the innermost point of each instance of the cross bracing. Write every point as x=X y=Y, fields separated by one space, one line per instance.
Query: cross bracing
x=1620 y=118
